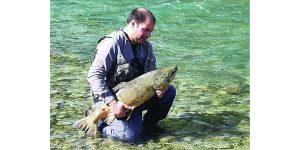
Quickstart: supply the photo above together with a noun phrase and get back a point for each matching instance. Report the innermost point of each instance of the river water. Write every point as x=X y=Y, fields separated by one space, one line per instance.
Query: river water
x=207 y=39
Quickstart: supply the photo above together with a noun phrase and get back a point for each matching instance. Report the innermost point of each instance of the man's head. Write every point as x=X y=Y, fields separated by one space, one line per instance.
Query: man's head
x=141 y=23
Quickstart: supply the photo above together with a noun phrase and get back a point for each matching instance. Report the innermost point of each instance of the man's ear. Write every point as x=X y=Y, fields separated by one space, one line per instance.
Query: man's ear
x=132 y=23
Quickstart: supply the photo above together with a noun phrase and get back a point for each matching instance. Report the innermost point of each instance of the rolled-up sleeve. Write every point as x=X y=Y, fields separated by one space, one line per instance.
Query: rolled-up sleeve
x=102 y=64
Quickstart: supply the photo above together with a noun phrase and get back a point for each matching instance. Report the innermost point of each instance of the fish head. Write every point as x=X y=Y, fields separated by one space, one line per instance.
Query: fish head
x=163 y=77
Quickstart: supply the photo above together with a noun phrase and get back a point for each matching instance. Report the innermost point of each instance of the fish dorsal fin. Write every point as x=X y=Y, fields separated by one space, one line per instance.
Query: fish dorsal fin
x=119 y=87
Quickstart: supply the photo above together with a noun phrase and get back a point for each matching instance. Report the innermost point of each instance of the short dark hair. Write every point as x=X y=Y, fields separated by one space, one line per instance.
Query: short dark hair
x=140 y=15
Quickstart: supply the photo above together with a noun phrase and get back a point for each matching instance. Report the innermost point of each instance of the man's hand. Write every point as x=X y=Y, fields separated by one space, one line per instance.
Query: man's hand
x=118 y=108
x=160 y=92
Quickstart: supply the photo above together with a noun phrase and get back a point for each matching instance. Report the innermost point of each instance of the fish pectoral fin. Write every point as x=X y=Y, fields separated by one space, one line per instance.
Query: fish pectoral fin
x=109 y=120
x=129 y=113
x=119 y=87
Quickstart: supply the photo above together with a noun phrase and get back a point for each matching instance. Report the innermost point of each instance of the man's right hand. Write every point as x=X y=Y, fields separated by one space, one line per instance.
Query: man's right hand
x=118 y=108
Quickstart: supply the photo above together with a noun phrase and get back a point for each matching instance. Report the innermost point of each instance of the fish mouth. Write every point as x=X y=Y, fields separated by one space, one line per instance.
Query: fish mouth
x=173 y=74
x=164 y=77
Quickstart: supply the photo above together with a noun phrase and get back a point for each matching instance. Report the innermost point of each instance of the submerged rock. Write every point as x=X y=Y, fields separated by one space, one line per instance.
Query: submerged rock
x=233 y=90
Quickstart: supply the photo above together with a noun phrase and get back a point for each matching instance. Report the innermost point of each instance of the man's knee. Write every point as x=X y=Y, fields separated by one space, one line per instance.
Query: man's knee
x=169 y=95
x=172 y=91
x=126 y=135
x=132 y=134
x=126 y=131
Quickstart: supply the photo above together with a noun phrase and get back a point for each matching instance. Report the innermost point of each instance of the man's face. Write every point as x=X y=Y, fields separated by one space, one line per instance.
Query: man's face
x=143 y=31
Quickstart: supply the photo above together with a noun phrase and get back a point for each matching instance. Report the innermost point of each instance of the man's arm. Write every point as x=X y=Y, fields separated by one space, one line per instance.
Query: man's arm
x=97 y=76
x=102 y=63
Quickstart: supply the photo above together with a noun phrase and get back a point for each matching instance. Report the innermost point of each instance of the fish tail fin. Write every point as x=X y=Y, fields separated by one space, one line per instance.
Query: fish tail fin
x=88 y=126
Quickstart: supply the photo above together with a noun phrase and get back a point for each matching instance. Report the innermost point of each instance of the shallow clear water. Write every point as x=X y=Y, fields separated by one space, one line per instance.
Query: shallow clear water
x=209 y=42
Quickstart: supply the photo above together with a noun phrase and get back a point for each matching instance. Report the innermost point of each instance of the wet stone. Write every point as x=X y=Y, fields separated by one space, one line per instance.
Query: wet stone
x=58 y=105
x=233 y=90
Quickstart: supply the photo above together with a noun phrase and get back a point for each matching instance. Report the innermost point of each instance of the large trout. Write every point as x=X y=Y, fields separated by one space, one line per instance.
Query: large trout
x=133 y=93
